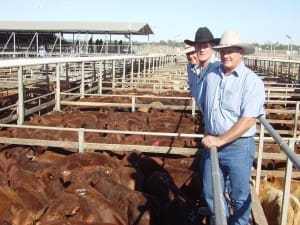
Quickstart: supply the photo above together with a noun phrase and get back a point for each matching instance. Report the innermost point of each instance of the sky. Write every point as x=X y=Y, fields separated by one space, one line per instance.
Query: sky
x=258 y=21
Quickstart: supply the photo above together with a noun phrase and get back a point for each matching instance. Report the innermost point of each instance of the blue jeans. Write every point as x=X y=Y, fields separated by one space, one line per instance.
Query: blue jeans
x=235 y=160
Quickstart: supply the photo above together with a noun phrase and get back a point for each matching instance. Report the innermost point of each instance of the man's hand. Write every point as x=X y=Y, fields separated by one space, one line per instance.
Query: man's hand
x=209 y=141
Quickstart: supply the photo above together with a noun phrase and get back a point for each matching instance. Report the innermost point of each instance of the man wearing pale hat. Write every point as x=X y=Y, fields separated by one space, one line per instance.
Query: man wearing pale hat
x=203 y=43
x=191 y=55
x=192 y=66
x=231 y=98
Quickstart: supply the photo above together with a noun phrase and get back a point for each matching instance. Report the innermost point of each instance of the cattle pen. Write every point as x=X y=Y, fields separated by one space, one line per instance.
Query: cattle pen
x=127 y=88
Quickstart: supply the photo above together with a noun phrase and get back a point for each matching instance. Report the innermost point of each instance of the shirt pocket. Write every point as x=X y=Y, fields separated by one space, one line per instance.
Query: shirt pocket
x=231 y=102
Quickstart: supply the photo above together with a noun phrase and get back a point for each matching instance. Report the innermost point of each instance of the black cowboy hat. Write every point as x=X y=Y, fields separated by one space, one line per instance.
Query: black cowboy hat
x=203 y=35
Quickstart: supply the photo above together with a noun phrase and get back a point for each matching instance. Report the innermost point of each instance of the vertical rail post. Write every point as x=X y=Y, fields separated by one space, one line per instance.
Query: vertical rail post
x=283 y=146
x=82 y=88
x=153 y=65
x=20 y=97
x=132 y=103
x=287 y=188
x=139 y=69
x=124 y=73
x=296 y=120
x=145 y=67
x=259 y=157
x=57 y=88
x=100 y=78
x=219 y=207
x=131 y=74
x=113 y=73
x=81 y=140
x=193 y=107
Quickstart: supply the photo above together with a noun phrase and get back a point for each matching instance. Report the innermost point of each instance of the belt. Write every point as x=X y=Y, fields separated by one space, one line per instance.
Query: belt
x=245 y=137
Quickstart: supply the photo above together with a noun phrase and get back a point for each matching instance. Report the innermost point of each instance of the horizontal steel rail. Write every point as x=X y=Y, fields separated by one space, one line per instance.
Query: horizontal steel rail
x=283 y=146
x=55 y=60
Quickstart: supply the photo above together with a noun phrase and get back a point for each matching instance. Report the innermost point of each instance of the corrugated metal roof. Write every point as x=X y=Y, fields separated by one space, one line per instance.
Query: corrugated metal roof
x=76 y=27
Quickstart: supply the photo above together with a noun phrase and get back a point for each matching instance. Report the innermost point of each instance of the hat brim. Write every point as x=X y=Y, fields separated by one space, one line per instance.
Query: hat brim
x=215 y=41
x=247 y=48
x=189 y=42
x=188 y=50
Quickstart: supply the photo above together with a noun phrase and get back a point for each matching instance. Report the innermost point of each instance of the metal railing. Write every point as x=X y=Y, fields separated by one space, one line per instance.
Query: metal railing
x=81 y=145
x=292 y=159
x=283 y=146
x=219 y=217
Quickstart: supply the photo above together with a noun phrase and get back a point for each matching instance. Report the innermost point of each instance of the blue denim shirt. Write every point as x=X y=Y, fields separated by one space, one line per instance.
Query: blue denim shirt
x=223 y=100
x=192 y=72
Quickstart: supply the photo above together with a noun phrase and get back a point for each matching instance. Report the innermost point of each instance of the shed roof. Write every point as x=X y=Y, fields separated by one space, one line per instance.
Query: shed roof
x=76 y=27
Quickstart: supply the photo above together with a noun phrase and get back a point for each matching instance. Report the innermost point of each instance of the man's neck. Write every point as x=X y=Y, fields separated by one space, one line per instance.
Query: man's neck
x=204 y=64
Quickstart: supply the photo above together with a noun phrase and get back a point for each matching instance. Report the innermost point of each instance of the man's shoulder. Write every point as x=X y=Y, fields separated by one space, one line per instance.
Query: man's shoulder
x=248 y=72
x=214 y=67
x=250 y=76
x=216 y=64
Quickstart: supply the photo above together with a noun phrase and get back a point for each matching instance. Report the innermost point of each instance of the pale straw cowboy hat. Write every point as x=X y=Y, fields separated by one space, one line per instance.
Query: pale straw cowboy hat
x=231 y=38
x=188 y=49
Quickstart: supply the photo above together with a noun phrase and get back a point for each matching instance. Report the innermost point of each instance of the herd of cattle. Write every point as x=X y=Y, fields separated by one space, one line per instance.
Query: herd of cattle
x=49 y=186
x=109 y=119
x=41 y=185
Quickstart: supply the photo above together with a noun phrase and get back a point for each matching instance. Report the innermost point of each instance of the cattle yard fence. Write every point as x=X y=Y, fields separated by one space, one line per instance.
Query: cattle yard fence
x=275 y=70
x=96 y=76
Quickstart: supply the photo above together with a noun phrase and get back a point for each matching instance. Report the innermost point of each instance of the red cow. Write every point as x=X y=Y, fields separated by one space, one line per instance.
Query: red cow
x=138 y=207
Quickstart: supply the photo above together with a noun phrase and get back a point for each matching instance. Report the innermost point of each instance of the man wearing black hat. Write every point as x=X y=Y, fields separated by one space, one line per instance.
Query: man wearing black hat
x=204 y=41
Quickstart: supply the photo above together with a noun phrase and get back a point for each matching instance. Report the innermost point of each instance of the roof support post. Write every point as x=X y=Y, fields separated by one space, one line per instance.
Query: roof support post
x=12 y=35
x=60 y=44
x=37 y=44
x=14 y=38
x=34 y=36
x=130 y=36
x=53 y=46
x=148 y=44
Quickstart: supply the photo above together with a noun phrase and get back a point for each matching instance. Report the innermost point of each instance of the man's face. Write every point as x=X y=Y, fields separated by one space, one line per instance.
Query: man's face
x=192 y=58
x=231 y=58
x=204 y=51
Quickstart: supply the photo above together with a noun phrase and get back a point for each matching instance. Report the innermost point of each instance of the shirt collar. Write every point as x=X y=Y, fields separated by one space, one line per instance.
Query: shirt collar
x=237 y=71
x=212 y=60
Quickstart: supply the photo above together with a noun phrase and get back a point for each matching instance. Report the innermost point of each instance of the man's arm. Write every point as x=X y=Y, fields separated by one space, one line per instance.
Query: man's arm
x=236 y=131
